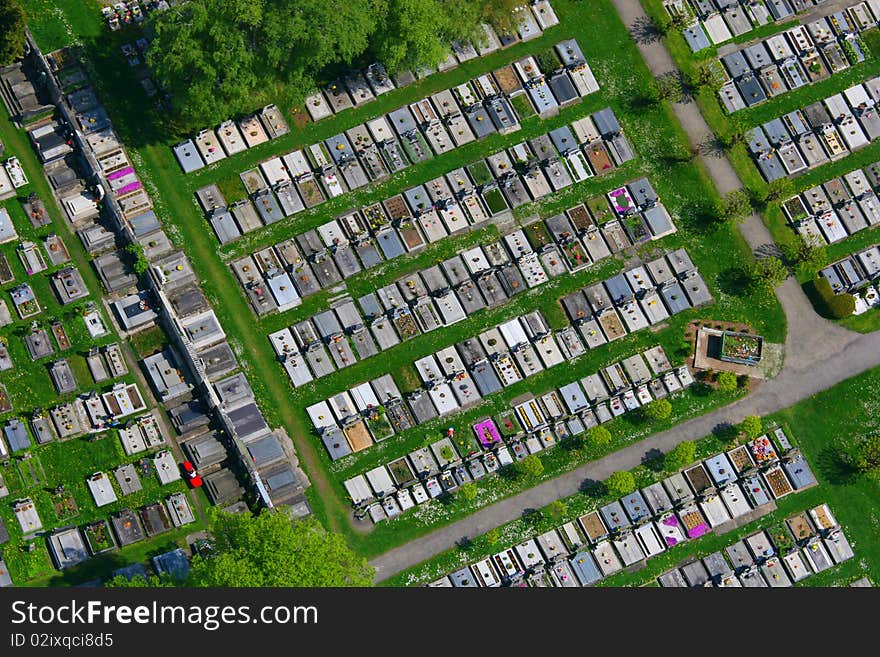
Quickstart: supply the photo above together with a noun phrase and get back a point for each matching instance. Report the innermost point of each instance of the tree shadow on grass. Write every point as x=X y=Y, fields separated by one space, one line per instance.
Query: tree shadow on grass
x=734 y=281
x=653 y=460
x=833 y=468
x=592 y=488
x=644 y=32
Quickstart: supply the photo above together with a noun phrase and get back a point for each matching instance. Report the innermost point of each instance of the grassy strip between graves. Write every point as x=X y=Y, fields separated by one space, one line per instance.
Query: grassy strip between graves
x=817 y=425
x=662 y=155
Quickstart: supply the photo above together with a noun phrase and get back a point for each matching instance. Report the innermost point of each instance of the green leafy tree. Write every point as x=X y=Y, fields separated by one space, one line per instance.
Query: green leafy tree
x=866 y=456
x=598 y=437
x=726 y=381
x=557 y=509
x=12 y=26
x=768 y=274
x=735 y=207
x=620 y=483
x=532 y=466
x=493 y=536
x=779 y=190
x=468 y=492
x=752 y=426
x=270 y=549
x=682 y=455
x=669 y=87
x=659 y=409
x=804 y=252
x=410 y=36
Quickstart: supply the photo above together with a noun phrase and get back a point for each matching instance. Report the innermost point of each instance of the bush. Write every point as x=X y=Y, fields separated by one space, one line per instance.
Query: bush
x=726 y=381
x=836 y=306
x=683 y=454
x=659 y=409
x=598 y=437
x=531 y=466
x=752 y=426
x=493 y=536
x=620 y=483
x=468 y=492
x=557 y=509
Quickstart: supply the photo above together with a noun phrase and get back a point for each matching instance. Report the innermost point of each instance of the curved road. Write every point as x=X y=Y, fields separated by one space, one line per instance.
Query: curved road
x=818 y=355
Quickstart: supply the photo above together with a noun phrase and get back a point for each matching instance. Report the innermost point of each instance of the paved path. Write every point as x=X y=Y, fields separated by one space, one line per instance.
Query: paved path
x=819 y=354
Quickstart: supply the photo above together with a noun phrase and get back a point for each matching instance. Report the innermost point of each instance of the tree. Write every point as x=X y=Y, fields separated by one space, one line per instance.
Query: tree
x=493 y=536
x=804 y=251
x=468 y=492
x=779 y=190
x=532 y=466
x=866 y=456
x=411 y=35
x=659 y=409
x=683 y=454
x=620 y=483
x=735 y=207
x=726 y=381
x=752 y=426
x=768 y=274
x=557 y=509
x=12 y=27
x=271 y=549
x=706 y=76
x=669 y=87
x=598 y=437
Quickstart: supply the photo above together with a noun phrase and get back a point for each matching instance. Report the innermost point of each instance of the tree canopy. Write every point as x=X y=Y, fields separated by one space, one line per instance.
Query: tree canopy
x=270 y=549
x=219 y=58
x=684 y=454
x=12 y=26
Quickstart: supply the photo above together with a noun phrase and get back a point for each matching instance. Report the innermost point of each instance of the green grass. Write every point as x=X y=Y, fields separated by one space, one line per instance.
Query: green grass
x=659 y=142
x=816 y=425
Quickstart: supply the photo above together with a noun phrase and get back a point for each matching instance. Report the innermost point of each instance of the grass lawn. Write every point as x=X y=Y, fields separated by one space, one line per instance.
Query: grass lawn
x=816 y=425
x=662 y=155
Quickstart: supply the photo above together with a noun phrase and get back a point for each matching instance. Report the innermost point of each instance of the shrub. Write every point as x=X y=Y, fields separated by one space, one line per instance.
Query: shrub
x=836 y=306
x=598 y=437
x=752 y=426
x=726 y=381
x=620 y=483
x=468 y=492
x=531 y=466
x=659 y=409
x=683 y=454
x=557 y=509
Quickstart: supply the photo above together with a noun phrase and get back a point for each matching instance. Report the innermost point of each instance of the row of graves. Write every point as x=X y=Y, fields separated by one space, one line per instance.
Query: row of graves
x=91 y=412
x=535 y=424
x=836 y=209
x=277 y=278
x=792 y=59
x=712 y=22
x=285 y=185
x=458 y=376
x=171 y=285
x=480 y=277
x=72 y=545
x=779 y=556
x=353 y=90
x=230 y=137
x=727 y=489
x=824 y=131
x=358 y=88
x=524 y=346
x=642 y=296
